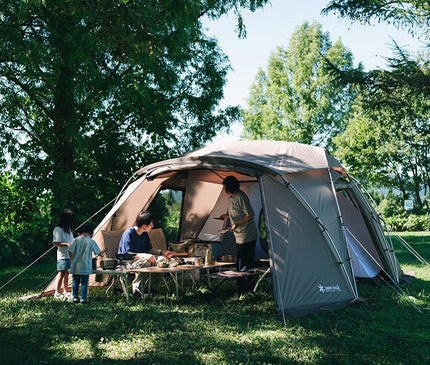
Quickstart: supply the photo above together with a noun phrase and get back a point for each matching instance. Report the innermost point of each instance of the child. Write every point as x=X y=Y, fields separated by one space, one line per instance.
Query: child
x=62 y=237
x=80 y=252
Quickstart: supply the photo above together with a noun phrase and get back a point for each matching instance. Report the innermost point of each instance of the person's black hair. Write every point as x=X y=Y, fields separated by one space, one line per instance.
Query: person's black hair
x=86 y=228
x=67 y=220
x=231 y=185
x=143 y=218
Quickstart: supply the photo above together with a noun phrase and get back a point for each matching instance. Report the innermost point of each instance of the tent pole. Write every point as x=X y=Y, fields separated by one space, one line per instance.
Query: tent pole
x=387 y=244
x=95 y=214
x=342 y=223
x=411 y=250
x=115 y=201
x=269 y=238
x=394 y=285
x=124 y=186
x=324 y=232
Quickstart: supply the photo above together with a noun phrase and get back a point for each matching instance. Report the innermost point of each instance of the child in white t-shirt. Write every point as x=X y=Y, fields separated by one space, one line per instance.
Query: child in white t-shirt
x=62 y=237
x=81 y=253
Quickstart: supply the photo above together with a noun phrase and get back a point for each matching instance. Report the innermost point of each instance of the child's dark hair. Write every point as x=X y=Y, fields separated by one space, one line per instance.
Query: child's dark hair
x=143 y=218
x=86 y=228
x=67 y=221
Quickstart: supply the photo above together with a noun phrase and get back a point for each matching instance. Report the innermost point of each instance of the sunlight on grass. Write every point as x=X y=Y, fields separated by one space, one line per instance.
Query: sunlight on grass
x=127 y=347
x=383 y=328
x=75 y=349
x=212 y=357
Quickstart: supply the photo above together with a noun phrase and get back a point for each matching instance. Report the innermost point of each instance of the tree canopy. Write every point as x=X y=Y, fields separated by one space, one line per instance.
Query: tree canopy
x=297 y=99
x=412 y=15
x=395 y=105
x=387 y=140
x=90 y=91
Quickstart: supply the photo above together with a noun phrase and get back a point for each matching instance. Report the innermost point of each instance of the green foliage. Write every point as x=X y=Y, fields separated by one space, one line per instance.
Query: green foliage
x=166 y=209
x=201 y=330
x=91 y=91
x=391 y=204
x=386 y=142
x=409 y=222
x=388 y=204
x=24 y=221
x=297 y=99
x=410 y=15
x=389 y=132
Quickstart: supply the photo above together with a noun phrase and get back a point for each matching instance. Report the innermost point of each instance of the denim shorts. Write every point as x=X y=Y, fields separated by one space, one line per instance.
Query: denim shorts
x=63 y=264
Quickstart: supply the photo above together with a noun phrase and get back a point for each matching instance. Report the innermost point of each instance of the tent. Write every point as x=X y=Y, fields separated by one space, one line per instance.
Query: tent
x=321 y=231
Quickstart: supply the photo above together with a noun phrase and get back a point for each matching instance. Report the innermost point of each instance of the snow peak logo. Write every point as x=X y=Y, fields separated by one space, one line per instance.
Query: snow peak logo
x=328 y=289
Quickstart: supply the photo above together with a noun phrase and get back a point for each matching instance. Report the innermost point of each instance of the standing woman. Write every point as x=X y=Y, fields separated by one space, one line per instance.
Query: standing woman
x=242 y=222
x=62 y=237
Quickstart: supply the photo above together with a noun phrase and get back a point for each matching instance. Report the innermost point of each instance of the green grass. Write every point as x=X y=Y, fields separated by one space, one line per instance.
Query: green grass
x=382 y=329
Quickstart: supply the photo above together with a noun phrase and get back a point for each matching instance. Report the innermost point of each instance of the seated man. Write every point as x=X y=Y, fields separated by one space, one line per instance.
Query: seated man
x=135 y=240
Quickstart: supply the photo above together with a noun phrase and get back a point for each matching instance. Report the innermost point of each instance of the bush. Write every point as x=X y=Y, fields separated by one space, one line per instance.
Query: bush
x=390 y=204
x=25 y=221
x=409 y=222
x=25 y=242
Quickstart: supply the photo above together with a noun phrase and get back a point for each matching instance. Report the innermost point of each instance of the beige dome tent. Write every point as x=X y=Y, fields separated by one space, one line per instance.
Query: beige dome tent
x=322 y=232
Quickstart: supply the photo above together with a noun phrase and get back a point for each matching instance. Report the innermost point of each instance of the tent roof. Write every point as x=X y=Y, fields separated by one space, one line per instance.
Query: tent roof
x=275 y=156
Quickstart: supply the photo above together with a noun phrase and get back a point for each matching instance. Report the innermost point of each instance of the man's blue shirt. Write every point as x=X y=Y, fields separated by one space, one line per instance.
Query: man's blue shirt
x=131 y=242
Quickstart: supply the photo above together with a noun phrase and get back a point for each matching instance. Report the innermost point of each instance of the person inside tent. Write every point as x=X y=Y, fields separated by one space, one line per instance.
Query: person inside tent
x=242 y=222
x=135 y=240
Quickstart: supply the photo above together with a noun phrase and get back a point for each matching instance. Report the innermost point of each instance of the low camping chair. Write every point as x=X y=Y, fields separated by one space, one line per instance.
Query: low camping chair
x=111 y=242
x=158 y=240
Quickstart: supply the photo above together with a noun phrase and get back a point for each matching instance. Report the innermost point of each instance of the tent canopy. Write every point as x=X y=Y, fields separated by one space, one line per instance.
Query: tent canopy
x=272 y=157
x=316 y=219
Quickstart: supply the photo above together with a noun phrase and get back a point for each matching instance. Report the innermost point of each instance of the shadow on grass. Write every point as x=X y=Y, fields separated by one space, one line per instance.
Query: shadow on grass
x=382 y=329
x=159 y=331
x=196 y=330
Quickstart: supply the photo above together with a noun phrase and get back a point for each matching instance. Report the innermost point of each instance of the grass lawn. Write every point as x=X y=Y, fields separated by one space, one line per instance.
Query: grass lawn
x=382 y=329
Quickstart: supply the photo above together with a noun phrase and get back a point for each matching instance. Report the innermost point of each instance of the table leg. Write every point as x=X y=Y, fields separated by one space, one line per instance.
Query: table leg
x=124 y=284
x=174 y=277
x=111 y=284
x=176 y=283
x=261 y=278
x=166 y=282
x=149 y=285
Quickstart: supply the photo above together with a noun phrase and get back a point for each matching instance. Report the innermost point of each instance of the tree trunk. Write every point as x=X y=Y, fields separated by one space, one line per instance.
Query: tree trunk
x=64 y=132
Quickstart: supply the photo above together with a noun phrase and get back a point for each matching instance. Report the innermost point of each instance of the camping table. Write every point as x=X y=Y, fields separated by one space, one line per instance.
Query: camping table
x=218 y=264
x=172 y=271
x=187 y=269
x=223 y=276
x=119 y=277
